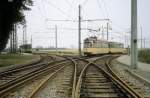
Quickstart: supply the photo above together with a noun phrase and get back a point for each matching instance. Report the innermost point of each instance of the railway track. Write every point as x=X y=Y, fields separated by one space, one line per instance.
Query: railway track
x=62 y=83
x=17 y=72
x=59 y=84
x=14 y=78
x=75 y=78
x=107 y=67
x=97 y=82
x=96 y=85
x=26 y=66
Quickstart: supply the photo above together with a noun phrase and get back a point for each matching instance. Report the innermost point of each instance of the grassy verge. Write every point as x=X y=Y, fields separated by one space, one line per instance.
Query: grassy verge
x=144 y=55
x=11 y=59
x=59 y=52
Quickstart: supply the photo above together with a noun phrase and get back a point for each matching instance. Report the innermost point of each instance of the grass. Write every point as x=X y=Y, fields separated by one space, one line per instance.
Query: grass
x=11 y=59
x=144 y=55
x=60 y=52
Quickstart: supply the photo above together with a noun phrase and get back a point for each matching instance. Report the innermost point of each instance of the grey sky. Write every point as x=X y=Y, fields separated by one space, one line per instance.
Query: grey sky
x=117 y=10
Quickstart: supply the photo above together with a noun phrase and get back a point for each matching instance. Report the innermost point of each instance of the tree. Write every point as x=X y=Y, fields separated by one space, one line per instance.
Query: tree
x=11 y=12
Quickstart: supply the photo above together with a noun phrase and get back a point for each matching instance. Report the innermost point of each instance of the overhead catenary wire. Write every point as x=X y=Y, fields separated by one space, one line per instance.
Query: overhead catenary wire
x=100 y=7
x=39 y=9
x=44 y=9
x=68 y=20
x=59 y=9
x=106 y=9
x=68 y=3
x=84 y=2
x=71 y=6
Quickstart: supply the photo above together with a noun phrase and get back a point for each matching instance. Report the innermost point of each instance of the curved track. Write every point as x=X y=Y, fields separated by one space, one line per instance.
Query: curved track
x=60 y=83
x=97 y=82
x=74 y=78
x=14 y=78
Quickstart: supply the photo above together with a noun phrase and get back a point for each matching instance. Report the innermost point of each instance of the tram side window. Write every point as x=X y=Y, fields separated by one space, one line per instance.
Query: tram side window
x=121 y=46
x=110 y=45
x=99 y=45
x=105 y=45
x=88 y=45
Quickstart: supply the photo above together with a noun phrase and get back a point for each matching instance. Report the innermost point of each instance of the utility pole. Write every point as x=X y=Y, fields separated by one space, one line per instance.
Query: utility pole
x=141 y=41
x=25 y=28
x=134 y=50
x=107 y=31
x=144 y=43
x=11 y=45
x=102 y=33
x=13 y=39
x=31 y=41
x=24 y=34
x=79 y=30
x=125 y=40
x=56 y=38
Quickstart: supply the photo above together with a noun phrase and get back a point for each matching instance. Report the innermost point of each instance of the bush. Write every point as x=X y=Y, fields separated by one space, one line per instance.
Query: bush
x=144 y=55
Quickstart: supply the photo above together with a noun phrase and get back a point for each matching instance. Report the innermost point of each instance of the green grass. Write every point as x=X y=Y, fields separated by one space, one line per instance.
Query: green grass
x=11 y=59
x=59 y=52
x=144 y=55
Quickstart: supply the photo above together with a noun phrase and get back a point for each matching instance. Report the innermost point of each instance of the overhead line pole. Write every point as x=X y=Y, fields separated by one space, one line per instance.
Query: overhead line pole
x=56 y=38
x=141 y=39
x=134 y=50
x=107 y=31
x=144 y=43
x=79 y=30
x=31 y=41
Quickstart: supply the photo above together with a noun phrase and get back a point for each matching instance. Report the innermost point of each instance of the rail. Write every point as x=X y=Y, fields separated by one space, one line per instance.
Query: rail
x=126 y=86
x=115 y=79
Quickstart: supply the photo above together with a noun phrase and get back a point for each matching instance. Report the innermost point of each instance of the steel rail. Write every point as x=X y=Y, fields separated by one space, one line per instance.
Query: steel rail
x=114 y=79
x=52 y=75
x=23 y=67
x=33 y=93
x=78 y=86
x=14 y=72
x=43 y=66
x=120 y=84
x=129 y=88
x=74 y=77
x=20 y=81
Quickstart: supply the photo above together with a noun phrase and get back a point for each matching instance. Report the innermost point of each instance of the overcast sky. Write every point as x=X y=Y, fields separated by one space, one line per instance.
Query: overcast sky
x=41 y=29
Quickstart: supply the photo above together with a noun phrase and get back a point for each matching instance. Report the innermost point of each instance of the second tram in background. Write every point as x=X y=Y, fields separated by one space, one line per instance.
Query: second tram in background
x=93 y=45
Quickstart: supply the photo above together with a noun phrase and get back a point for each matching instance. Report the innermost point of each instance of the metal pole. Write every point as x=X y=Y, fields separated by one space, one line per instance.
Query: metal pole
x=15 y=38
x=79 y=30
x=141 y=41
x=31 y=41
x=125 y=41
x=144 y=43
x=107 y=31
x=56 y=37
x=102 y=33
x=11 y=42
x=134 y=50
x=25 y=34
